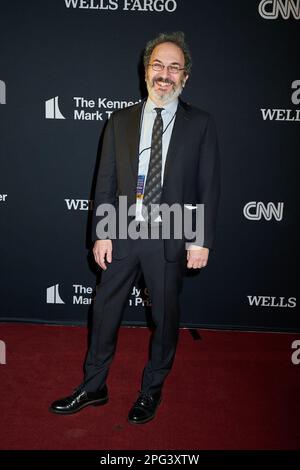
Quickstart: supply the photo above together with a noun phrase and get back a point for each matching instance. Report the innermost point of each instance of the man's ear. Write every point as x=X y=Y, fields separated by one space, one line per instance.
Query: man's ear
x=185 y=79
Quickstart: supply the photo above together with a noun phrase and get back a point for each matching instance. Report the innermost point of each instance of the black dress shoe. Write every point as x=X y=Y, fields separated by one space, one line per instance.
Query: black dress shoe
x=80 y=399
x=144 y=408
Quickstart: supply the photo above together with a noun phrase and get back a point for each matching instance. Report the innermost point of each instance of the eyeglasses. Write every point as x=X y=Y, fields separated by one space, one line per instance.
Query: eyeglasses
x=157 y=67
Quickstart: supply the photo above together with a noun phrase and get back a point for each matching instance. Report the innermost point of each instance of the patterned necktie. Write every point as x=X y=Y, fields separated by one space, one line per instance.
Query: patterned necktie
x=152 y=192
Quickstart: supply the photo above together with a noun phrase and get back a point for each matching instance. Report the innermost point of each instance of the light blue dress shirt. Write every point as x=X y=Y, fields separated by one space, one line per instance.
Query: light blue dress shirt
x=148 y=116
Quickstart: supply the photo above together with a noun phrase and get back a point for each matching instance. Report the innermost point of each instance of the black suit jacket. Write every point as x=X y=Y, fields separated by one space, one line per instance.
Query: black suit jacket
x=191 y=173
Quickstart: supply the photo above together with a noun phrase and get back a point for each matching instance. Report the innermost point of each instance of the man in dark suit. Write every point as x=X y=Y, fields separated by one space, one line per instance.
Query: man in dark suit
x=160 y=151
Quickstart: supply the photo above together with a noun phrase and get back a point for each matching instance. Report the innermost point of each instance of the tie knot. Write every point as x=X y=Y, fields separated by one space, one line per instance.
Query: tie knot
x=159 y=110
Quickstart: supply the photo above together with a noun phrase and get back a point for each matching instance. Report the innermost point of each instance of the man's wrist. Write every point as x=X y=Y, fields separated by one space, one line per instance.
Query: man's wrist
x=194 y=247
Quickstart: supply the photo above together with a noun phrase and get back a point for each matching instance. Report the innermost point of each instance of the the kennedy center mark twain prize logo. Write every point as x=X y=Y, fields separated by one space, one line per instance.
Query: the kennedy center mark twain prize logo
x=83 y=295
x=86 y=109
x=53 y=296
x=158 y=6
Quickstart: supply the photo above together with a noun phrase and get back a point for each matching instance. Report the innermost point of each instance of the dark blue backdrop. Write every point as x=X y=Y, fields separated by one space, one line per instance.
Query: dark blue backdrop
x=245 y=72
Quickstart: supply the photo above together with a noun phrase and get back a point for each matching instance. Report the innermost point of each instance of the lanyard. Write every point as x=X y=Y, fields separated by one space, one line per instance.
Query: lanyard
x=141 y=123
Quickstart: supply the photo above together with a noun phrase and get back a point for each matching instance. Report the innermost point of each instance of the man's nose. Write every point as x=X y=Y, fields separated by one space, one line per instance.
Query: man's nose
x=165 y=72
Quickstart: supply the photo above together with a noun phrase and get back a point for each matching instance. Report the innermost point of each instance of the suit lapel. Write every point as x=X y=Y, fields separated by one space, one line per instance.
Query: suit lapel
x=178 y=132
x=133 y=134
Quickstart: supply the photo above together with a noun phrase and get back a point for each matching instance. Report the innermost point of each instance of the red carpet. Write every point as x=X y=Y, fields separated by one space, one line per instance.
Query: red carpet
x=231 y=390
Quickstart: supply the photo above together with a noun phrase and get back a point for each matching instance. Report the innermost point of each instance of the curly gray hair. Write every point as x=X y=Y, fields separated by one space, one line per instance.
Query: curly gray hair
x=176 y=38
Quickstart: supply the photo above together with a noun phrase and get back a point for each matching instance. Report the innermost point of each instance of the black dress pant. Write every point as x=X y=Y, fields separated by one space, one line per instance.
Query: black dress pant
x=164 y=280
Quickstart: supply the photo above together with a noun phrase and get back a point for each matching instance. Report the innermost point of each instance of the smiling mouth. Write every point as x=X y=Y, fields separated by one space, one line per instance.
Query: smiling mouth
x=163 y=85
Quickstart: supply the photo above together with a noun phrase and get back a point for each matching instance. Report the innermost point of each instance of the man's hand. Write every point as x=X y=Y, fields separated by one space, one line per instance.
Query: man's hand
x=197 y=257
x=102 y=252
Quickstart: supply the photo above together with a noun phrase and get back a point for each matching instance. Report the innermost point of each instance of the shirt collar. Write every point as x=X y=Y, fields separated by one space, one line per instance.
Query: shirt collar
x=169 y=108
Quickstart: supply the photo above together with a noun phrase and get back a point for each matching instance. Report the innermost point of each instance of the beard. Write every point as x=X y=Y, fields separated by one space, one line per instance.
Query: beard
x=164 y=97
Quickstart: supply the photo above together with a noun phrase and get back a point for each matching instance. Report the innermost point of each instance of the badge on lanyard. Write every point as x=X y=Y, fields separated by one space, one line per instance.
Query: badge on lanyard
x=139 y=197
x=140 y=187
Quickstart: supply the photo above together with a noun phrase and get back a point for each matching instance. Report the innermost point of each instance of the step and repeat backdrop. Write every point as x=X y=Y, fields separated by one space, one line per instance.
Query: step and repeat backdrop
x=65 y=67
